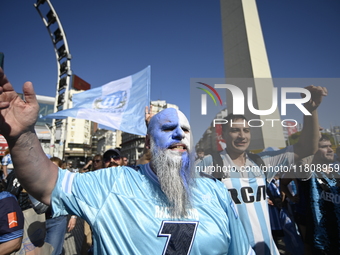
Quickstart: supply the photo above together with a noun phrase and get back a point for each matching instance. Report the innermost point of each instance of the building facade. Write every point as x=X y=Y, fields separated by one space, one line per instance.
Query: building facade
x=107 y=139
x=78 y=140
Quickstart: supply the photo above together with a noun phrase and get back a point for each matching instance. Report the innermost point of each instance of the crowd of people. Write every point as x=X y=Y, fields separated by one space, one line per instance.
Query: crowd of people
x=300 y=206
x=55 y=227
x=165 y=204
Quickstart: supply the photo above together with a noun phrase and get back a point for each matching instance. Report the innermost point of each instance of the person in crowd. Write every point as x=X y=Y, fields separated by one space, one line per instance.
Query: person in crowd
x=94 y=164
x=55 y=227
x=7 y=164
x=274 y=199
x=321 y=191
x=281 y=220
x=73 y=220
x=291 y=188
x=337 y=154
x=164 y=207
x=203 y=162
x=112 y=157
x=15 y=188
x=11 y=223
x=125 y=161
x=247 y=188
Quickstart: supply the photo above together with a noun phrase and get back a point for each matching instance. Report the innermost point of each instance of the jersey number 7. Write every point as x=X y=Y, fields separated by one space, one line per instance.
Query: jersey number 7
x=180 y=236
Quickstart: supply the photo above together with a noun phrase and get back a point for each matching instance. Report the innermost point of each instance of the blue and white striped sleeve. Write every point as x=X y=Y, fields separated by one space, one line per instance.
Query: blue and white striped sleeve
x=280 y=161
x=80 y=194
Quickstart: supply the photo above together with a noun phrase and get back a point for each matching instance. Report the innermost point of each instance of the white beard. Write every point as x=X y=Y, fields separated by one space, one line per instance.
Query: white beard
x=175 y=179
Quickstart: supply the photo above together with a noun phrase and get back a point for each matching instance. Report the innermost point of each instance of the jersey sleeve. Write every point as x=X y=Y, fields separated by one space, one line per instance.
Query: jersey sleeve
x=281 y=161
x=11 y=218
x=239 y=241
x=81 y=194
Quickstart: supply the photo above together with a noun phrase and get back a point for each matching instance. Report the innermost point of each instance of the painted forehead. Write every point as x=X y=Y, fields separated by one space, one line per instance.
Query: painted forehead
x=169 y=115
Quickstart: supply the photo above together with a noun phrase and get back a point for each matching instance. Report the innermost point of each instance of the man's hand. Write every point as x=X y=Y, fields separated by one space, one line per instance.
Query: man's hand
x=16 y=115
x=317 y=93
x=270 y=202
x=86 y=167
x=148 y=114
x=309 y=137
x=35 y=172
x=4 y=171
x=71 y=223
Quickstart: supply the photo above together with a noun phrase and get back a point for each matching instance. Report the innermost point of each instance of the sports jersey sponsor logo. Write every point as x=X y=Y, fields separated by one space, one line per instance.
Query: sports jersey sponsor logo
x=330 y=197
x=12 y=220
x=162 y=212
x=247 y=194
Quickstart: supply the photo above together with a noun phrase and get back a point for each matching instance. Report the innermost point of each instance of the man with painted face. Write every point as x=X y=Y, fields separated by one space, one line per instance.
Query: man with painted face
x=160 y=208
x=247 y=182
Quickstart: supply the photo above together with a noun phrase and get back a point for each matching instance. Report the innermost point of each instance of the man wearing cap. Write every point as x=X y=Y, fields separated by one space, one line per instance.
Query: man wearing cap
x=112 y=157
x=164 y=207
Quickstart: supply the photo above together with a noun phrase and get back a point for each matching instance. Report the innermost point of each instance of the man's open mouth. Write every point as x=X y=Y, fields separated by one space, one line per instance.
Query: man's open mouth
x=178 y=147
x=240 y=143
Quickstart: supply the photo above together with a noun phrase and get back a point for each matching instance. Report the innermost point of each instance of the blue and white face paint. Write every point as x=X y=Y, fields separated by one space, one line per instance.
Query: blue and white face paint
x=170 y=149
x=170 y=129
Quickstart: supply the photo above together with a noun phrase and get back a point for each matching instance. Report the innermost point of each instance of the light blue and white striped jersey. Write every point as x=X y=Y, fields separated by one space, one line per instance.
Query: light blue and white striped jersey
x=247 y=187
x=126 y=212
x=204 y=164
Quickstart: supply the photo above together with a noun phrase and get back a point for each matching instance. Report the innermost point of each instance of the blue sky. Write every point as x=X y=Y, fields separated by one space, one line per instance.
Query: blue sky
x=109 y=40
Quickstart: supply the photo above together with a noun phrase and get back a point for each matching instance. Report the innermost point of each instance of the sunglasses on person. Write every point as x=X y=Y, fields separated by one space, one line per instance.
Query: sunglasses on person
x=97 y=160
x=114 y=157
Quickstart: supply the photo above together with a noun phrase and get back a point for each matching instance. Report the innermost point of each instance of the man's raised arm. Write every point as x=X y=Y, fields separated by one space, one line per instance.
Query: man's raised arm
x=309 y=138
x=36 y=173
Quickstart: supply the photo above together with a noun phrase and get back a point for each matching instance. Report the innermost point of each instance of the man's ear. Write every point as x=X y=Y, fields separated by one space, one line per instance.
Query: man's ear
x=147 y=142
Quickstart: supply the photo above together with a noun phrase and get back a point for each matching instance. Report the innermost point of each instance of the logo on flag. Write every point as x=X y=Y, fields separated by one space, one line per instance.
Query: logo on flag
x=111 y=102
